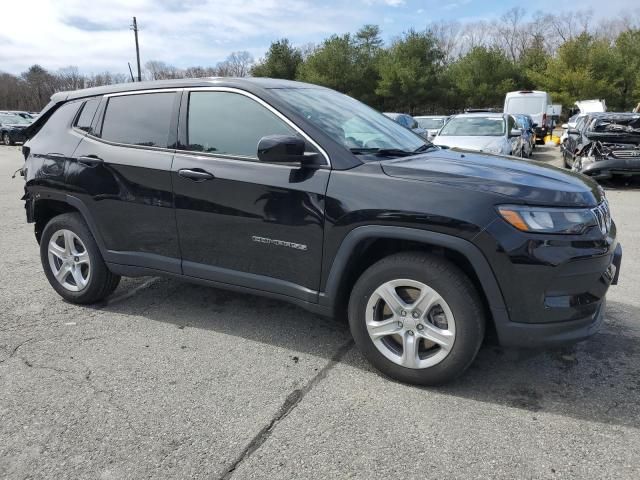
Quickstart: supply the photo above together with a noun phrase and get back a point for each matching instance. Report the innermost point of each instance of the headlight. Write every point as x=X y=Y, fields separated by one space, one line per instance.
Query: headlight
x=548 y=220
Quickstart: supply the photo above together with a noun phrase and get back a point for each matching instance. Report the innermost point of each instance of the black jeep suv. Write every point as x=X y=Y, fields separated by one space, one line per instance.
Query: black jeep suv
x=301 y=193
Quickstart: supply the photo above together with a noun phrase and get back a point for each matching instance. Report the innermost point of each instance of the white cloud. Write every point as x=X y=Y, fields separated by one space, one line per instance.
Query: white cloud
x=95 y=36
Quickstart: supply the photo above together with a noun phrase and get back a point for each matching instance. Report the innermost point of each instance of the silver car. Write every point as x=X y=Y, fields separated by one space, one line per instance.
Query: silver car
x=432 y=123
x=482 y=132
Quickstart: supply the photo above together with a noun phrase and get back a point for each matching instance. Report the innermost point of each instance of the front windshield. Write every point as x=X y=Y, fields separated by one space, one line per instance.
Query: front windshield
x=474 y=127
x=430 y=123
x=349 y=121
x=15 y=119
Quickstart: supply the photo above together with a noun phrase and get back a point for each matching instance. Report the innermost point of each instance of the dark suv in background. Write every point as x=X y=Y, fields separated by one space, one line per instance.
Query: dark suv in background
x=300 y=193
x=12 y=128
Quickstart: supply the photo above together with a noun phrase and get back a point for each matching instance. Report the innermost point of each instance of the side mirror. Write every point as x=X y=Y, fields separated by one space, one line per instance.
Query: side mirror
x=565 y=125
x=515 y=132
x=573 y=131
x=285 y=150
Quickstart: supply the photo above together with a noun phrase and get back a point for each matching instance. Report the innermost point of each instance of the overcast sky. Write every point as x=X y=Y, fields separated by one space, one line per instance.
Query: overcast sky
x=95 y=36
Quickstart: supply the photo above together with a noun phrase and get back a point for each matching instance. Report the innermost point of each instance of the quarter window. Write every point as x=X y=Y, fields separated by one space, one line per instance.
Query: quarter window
x=139 y=119
x=230 y=124
x=86 y=115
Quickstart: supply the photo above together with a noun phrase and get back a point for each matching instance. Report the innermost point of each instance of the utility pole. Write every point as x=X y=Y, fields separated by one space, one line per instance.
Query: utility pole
x=134 y=27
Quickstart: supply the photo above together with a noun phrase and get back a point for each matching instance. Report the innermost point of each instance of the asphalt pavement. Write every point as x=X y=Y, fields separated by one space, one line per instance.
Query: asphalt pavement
x=172 y=380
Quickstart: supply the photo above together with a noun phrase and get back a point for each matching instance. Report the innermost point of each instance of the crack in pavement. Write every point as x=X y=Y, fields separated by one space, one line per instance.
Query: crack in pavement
x=289 y=404
x=15 y=349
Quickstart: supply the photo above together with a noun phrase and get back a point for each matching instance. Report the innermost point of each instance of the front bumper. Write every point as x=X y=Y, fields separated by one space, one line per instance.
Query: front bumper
x=554 y=288
x=537 y=335
x=607 y=168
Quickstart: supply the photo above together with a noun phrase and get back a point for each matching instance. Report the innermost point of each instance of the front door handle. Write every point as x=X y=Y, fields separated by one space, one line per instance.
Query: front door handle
x=90 y=161
x=196 y=174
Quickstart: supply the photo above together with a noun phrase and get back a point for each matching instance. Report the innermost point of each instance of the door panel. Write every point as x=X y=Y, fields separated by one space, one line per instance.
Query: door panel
x=130 y=199
x=258 y=219
x=127 y=185
x=247 y=223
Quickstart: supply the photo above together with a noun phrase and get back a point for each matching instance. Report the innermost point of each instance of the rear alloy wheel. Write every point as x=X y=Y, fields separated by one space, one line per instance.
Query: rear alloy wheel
x=69 y=260
x=72 y=261
x=417 y=318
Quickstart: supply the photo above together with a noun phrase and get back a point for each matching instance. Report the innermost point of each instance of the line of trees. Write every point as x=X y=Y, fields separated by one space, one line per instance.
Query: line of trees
x=443 y=68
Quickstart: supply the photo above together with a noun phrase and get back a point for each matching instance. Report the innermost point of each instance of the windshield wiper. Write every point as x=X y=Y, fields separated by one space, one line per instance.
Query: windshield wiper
x=425 y=148
x=385 y=152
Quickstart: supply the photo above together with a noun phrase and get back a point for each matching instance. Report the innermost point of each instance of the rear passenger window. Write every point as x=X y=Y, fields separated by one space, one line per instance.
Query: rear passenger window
x=86 y=115
x=140 y=119
x=230 y=124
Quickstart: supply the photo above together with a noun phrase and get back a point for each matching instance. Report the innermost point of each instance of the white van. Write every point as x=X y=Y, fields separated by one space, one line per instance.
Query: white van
x=534 y=103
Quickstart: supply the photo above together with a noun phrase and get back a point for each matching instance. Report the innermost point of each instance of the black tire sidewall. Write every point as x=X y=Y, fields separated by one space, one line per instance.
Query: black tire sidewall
x=452 y=285
x=99 y=272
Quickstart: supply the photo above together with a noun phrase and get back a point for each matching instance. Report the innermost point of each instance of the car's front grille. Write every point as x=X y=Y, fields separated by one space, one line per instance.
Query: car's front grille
x=626 y=153
x=603 y=216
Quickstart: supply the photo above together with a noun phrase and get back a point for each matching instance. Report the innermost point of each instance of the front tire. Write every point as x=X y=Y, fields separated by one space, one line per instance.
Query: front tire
x=6 y=139
x=417 y=318
x=72 y=261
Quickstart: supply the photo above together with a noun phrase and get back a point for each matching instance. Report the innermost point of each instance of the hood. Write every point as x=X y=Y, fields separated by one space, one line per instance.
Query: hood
x=591 y=106
x=17 y=126
x=521 y=180
x=479 y=143
x=614 y=128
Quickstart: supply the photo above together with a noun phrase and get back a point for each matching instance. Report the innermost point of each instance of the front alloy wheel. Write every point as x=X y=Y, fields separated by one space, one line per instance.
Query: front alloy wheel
x=417 y=318
x=410 y=323
x=6 y=139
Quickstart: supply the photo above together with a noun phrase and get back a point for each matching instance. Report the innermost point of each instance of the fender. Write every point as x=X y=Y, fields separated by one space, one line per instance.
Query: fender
x=472 y=253
x=76 y=203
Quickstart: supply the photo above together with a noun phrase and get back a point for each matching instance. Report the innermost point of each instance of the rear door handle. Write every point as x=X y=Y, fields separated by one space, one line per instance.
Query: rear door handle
x=90 y=161
x=196 y=174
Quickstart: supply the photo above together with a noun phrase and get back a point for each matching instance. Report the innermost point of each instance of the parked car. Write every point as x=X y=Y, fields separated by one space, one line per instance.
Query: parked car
x=535 y=103
x=571 y=123
x=572 y=142
x=526 y=125
x=12 y=128
x=431 y=123
x=483 y=132
x=423 y=248
x=606 y=145
x=407 y=121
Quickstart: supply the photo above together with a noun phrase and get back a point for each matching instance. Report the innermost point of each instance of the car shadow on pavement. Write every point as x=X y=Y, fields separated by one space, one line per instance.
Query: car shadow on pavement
x=546 y=153
x=596 y=380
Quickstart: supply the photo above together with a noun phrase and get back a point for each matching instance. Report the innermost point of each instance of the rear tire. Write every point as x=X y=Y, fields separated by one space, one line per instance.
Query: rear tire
x=72 y=261
x=445 y=336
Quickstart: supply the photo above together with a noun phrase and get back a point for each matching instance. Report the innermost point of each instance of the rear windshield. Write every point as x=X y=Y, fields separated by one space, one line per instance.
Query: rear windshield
x=527 y=105
x=430 y=123
x=474 y=127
